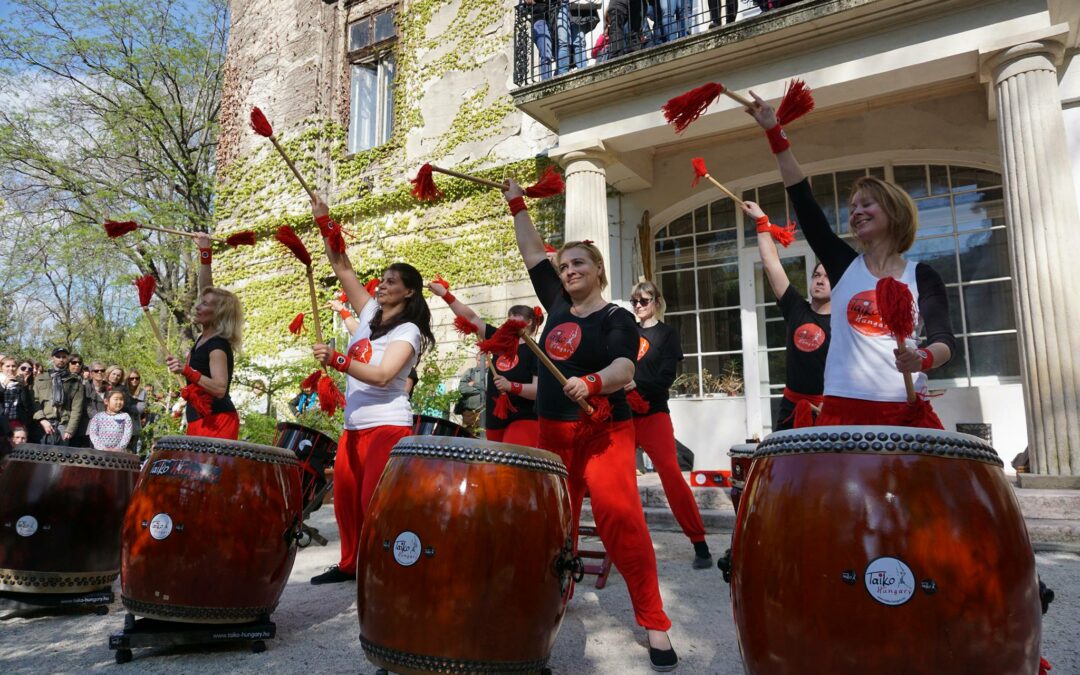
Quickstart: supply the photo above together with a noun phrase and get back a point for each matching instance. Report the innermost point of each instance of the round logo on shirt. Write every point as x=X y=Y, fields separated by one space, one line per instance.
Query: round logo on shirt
x=642 y=348
x=505 y=364
x=361 y=351
x=809 y=337
x=863 y=316
x=563 y=341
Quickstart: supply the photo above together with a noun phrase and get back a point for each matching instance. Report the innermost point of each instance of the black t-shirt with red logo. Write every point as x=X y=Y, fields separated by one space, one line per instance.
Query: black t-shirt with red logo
x=521 y=368
x=659 y=353
x=579 y=346
x=807 y=343
x=199 y=360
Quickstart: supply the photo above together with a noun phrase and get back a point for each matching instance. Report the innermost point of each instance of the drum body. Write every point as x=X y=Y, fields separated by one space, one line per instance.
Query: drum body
x=316 y=452
x=61 y=513
x=465 y=558
x=742 y=458
x=426 y=425
x=884 y=550
x=210 y=535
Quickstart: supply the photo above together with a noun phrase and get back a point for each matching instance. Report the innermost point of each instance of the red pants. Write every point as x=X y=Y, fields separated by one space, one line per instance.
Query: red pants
x=656 y=437
x=218 y=425
x=519 y=432
x=604 y=463
x=839 y=411
x=361 y=457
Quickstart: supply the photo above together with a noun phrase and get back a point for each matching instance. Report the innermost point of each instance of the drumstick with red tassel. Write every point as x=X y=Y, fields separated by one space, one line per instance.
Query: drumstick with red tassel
x=424 y=187
x=116 y=229
x=783 y=235
x=262 y=126
x=684 y=109
x=503 y=405
x=896 y=306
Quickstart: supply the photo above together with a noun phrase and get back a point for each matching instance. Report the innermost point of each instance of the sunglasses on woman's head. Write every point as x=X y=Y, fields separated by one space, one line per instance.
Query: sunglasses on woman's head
x=644 y=302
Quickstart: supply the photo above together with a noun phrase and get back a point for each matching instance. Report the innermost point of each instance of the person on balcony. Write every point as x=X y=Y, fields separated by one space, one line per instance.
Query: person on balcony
x=551 y=35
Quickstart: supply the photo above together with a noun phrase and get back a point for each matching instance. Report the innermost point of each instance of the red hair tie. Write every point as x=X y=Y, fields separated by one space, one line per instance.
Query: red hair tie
x=538 y=314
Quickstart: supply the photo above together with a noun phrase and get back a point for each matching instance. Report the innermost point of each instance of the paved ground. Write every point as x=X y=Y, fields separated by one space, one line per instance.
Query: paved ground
x=317 y=626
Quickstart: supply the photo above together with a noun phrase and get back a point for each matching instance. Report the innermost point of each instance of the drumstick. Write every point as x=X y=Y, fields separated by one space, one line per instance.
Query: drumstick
x=314 y=303
x=465 y=176
x=554 y=371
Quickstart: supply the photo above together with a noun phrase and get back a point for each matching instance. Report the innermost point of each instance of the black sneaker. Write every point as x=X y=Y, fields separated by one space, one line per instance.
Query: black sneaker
x=663 y=660
x=333 y=575
x=702 y=562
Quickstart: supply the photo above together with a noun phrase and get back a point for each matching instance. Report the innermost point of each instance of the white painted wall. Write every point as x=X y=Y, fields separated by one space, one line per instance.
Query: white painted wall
x=709 y=427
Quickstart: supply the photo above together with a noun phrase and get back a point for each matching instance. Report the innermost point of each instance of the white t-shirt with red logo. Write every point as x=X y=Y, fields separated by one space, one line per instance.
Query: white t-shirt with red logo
x=861 y=363
x=368 y=406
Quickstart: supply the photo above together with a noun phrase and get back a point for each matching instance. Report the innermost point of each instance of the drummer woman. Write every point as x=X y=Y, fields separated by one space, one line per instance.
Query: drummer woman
x=392 y=330
x=594 y=344
x=514 y=377
x=807 y=330
x=210 y=363
x=884 y=220
x=658 y=356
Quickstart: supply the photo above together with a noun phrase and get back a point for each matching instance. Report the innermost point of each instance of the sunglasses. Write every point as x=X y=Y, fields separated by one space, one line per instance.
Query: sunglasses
x=133 y=379
x=644 y=302
x=74 y=363
x=24 y=368
x=97 y=370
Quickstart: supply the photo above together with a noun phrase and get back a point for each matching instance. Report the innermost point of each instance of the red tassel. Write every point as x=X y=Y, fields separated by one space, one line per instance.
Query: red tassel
x=549 y=185
x=797 y=101
x=198 y=398
x=782 y=235
x=118 y=229
x=505 y=340
x=241 y=238
x=699 y=170
x=442 y=282
x=297 y=324
x=146 y=284
x=682 y=110
x=371 y=287
x=424 y=187
x=588 y=425
x=637 y=402
x=538 y=314
x=312 y=380
x=803 y=415
x=922 y=415
x=287 y=236
x=330 y=398
x=895 y=305
x=503 y=406
x=465 y=327
x=548 y=248
x=1044 y=666
x=260 y=124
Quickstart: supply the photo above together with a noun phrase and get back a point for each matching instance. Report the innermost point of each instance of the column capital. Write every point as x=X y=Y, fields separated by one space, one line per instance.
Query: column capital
x=594 y=154
x=1036 y=50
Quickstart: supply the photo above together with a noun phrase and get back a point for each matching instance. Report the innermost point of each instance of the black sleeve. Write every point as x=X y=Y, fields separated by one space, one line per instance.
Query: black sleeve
x=546 y=284
x=833 y=252
x=790 y=302
x=489 y=330
x=621 y=334
x=934 y=307
x=669 y=360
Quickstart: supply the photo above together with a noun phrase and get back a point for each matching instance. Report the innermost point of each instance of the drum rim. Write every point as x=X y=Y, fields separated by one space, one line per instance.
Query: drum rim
x=227 y=447
x=743 y=453
x=55 y=582
x=878 y=439
x=297 y=425
x=85 y=457
x=195 y=614
x=446 y=664
x=459 y=447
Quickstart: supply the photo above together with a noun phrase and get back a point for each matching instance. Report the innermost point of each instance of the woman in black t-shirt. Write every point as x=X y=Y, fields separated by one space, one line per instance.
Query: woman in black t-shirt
x=594 y=344
x=659 y=353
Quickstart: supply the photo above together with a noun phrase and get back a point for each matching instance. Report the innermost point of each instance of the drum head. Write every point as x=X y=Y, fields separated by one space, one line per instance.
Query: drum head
x=87 y=457
x=878 y=439
x=229 y=448
x=476 y=450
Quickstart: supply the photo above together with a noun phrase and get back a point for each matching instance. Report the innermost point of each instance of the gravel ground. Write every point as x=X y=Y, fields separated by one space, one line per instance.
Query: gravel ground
x=317 y=625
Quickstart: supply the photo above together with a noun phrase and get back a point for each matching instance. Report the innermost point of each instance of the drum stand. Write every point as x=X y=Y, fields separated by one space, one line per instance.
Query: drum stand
x=601 y=569
x=155 y=633
x=96 y=601
x=309 y=534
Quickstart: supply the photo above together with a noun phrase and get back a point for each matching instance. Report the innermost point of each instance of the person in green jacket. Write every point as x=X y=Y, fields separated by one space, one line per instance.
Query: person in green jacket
x=59 y=397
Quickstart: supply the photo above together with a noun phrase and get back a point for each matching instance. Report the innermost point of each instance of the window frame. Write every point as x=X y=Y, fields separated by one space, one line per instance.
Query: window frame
x=377 y=53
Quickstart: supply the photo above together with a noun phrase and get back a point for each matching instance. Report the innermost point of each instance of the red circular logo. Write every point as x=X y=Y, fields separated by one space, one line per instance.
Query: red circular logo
x=642 y=348
x=506 y=364
x=361 y=351
x=563 y=341
x=809 y=337
x=863 y=316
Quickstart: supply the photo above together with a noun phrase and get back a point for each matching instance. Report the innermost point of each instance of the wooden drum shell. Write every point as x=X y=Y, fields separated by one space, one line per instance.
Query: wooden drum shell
x=825 y=517
x=483 y=589
x=210 y=535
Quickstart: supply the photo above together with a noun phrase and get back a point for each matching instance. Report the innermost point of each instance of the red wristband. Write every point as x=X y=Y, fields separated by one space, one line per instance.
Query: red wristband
x=762 y=223
x=778 y=140
x=449 y=298
x=593 y=383
x=326 y=226
x=345 y=314
x=515 y=388
x=339 y=362
x=517 y=205
x=927 y=359
x=193 y=376
x=206 y=256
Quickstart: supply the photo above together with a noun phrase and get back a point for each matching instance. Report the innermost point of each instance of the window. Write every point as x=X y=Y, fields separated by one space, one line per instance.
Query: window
x=371 y=87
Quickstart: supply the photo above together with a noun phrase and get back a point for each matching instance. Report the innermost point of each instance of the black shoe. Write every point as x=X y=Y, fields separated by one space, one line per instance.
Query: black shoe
x=663 y=660
x=333 y=575
x=724 y=564
x=702 y=562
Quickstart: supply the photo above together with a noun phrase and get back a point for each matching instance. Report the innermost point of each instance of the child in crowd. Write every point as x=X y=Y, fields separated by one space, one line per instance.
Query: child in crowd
x=111 y=429
x=18 y=436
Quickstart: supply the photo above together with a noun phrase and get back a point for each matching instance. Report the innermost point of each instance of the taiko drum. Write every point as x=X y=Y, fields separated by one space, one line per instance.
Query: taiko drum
x=884 y=550
x=61 y=513
x=742 y=458
x=210 y=535
x=465 y=558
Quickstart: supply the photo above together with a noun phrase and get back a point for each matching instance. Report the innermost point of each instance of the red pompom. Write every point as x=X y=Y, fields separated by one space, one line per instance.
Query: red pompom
x=548 y=248
x=797 y=102
x=682 y=110
x=241 y=238
x=297 y=324
x=371 y=287
x=637 y=402
x=260 y=124
x=442 y=282
x=343 y=296
x=505 y=339
x=312 y=380
x=896 y=305
x=287 y=236
x=198 y=398
x=549 y=185
x=118 y=229
x=465 y=327
x=503 y=406
x=781 y=235
x=597 y=421
x=1044 y=666
x=424 y=187
x=146 y=284
x=699 y=170
x=330 y=398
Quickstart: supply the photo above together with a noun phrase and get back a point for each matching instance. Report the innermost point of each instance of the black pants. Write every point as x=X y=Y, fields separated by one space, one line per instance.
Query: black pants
x=731 y=8
x=625 y=19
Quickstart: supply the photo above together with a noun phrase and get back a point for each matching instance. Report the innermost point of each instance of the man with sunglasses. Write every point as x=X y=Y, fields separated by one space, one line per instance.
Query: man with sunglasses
x=59 y=397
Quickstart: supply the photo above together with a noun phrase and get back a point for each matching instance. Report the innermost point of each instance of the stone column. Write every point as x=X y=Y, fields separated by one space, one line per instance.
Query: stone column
x=1044 y=245
x=586 y=202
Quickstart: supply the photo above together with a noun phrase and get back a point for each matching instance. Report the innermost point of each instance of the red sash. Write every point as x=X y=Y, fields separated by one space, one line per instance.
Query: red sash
x=803 y=414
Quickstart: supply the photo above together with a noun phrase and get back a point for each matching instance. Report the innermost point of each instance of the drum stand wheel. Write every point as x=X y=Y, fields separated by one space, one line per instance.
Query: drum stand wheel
x=155 y=633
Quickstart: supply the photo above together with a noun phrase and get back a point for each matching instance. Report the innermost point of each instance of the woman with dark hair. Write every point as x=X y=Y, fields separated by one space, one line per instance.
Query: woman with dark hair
x=594 y=344
x=393 y=329
x=859 y=388
x=516 y=377
x=16 y=397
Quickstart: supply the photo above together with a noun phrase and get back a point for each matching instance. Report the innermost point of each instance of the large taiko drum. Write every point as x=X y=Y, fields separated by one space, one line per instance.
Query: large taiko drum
x=210 y=535
x=61 y=512
x=885 y=550
x=465 y=558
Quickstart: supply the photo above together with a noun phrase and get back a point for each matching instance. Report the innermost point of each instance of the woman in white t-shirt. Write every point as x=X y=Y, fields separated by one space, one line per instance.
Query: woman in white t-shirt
x=394 y=327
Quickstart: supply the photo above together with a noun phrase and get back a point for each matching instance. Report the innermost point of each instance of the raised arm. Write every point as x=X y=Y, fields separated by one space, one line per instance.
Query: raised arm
x=530 y=243
x=351 y=322
x=206 y=276
x=340 y=262
x=458 y=307
x=770 y=257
